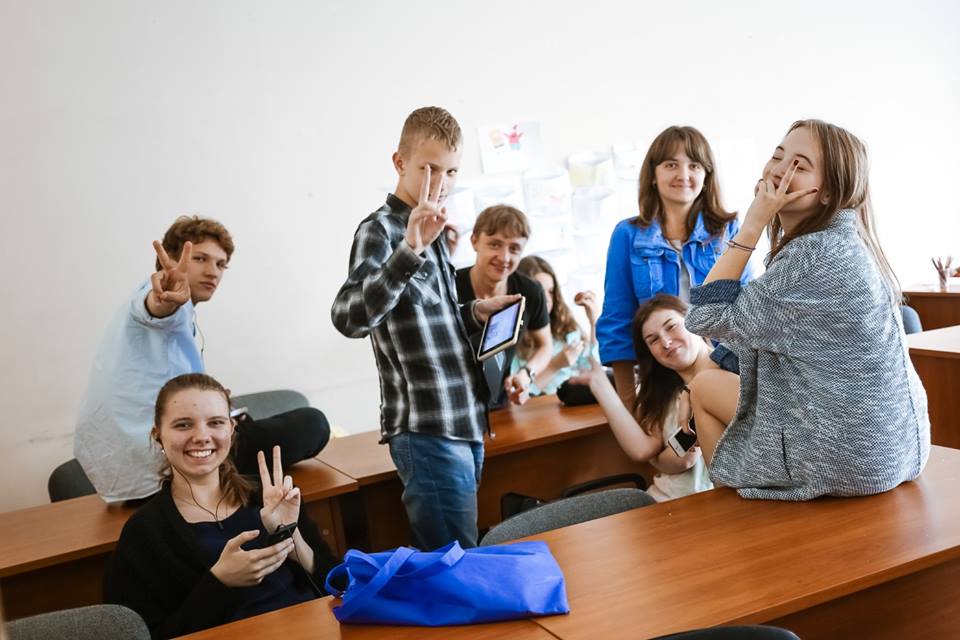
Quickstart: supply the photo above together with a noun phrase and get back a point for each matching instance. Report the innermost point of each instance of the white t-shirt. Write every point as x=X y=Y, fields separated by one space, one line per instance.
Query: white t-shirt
x=667 y=486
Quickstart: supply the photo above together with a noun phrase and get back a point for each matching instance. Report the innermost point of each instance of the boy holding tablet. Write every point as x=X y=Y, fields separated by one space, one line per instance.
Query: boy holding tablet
x=499 y=236
x=401 y=292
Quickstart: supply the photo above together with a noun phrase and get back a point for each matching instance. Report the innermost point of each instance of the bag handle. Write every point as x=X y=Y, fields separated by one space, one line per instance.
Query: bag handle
x=359 y=598
x=341 y=569
x=452 y=554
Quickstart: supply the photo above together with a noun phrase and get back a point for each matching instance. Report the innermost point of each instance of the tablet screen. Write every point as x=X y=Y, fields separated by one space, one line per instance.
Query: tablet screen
x=501 y=327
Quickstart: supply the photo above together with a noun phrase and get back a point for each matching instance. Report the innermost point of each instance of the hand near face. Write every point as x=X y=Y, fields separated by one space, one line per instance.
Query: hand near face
x=770 y=199
x=428 y=218
x=171 y=285
x=281 y=500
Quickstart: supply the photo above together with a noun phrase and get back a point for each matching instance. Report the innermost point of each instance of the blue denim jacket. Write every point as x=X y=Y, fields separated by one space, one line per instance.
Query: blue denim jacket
x=640 y=264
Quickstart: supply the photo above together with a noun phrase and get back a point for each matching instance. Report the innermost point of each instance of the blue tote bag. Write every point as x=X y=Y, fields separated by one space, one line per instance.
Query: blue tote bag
x=450 y=585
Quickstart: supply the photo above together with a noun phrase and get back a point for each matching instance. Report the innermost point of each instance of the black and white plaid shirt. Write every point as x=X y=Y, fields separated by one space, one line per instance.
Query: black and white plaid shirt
x=430 y=381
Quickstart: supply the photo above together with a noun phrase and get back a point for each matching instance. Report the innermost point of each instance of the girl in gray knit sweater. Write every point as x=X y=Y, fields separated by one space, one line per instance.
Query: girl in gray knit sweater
x=827 y=401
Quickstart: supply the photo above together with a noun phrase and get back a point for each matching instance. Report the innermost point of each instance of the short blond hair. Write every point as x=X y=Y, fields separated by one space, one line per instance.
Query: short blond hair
x=430 y=123
x=502 y=218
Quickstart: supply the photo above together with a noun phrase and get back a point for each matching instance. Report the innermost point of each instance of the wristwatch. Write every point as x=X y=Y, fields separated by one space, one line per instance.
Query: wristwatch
x=530 y=373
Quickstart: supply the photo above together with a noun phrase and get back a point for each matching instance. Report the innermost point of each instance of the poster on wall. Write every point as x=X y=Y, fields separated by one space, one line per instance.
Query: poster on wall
x=509 y=147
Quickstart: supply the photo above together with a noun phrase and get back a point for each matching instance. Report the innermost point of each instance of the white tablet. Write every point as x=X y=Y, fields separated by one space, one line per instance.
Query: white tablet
x=501 y=330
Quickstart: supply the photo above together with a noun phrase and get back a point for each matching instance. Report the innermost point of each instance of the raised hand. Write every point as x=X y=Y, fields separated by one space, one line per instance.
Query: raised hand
x=170 y=285
x=588 y=300
x=281 y=500
x=238 y=568
x=428 y=218
x=770 y=199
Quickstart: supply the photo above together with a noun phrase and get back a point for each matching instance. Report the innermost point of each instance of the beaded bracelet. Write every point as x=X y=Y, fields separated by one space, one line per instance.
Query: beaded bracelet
x=742 y=247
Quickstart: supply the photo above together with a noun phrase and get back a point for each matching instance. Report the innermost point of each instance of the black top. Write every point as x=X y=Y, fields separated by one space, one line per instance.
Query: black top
x=161 y=570
x=535 y=314
x=278 y=589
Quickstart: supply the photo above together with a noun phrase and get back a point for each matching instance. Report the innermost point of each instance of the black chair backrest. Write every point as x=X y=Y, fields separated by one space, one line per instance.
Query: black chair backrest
x=69 y=481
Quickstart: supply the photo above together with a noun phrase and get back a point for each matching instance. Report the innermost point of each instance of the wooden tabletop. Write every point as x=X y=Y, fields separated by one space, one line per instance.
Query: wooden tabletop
x=930 y=291
x=61 y=532
x=714 y=558
x=56 y=533
x=540 y=421
x=944 y=343
x=318 y=480
x=314 y=621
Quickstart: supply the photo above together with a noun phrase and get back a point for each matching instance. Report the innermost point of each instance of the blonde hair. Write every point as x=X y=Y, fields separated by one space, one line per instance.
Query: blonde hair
x=431 y=123
x=846 y=186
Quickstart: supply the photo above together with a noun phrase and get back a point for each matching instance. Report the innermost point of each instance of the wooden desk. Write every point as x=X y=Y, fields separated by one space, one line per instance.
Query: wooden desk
x=314 y=621
x=936 y=357
x=885 y=566
x=52 y=556
x=539 y=449
x=937 y=309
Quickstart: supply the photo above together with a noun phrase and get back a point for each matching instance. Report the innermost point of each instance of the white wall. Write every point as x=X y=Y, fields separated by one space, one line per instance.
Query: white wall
x=279 y=118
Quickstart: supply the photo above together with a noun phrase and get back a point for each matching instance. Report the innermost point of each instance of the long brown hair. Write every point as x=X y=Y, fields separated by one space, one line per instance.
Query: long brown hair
x=846 y=186
x=234 y=486
x=561 y=319
x=658 y=386
x=708 y=203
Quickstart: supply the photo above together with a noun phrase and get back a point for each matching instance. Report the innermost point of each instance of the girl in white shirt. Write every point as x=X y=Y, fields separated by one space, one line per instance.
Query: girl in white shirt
x=668 y=357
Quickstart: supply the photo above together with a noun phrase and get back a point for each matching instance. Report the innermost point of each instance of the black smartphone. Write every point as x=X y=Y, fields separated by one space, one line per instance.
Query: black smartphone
x=283 y=532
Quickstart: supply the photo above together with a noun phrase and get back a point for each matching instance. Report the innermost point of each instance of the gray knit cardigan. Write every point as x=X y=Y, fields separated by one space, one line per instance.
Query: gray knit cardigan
x=830 y=403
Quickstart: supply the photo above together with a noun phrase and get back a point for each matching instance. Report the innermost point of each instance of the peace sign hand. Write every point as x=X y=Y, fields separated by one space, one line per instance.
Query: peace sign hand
x=770 y=199
x=170 y=285
x=428 y=218
x=281 y=500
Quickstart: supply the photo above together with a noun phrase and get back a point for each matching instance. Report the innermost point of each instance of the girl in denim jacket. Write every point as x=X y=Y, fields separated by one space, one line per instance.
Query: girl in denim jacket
x=669 y=247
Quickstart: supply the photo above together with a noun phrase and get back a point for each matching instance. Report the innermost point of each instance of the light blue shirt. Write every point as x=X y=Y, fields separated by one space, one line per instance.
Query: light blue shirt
x=138 y=354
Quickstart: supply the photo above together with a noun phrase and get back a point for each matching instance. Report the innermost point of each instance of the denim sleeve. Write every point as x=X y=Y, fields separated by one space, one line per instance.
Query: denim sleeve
x=726 y=358
x=619 y=301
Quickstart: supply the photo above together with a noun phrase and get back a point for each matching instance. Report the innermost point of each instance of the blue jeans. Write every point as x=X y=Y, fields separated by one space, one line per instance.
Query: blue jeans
x=440 y=479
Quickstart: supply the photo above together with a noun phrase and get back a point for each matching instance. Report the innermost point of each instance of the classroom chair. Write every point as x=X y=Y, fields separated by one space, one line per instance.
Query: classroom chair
x=99 y=622
x=69 y=481
x=565 y=512
x=911 y=319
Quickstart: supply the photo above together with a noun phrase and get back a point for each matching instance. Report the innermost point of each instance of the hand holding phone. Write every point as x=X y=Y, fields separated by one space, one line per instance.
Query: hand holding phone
x=281 y=533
